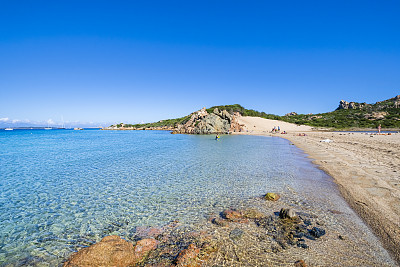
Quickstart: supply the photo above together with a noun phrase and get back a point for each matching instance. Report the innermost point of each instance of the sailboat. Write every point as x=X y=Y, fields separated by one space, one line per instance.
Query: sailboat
x=48 y=127
x=62 y=125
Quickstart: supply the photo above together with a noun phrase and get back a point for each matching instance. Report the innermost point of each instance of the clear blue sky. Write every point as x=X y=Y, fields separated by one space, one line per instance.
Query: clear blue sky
x=132 y=61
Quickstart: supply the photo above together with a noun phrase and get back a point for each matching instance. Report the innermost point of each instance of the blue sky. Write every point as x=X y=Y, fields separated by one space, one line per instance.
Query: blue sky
x=132 y=61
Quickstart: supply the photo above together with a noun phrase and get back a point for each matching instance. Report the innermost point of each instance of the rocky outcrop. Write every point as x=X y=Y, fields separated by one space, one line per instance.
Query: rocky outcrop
x=202 y=122
x=397 y=101
x=351 y=105
x=380 y=105
x=112 y=251
x=291 y=114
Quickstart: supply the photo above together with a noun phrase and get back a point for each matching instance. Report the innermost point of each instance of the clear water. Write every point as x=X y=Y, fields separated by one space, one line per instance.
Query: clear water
x=62 y=189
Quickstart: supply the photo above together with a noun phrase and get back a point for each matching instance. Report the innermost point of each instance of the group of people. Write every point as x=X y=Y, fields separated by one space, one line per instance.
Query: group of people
x=275 y=129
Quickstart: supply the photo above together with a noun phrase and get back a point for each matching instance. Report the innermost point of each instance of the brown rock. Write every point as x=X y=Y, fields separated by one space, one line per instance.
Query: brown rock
x=146 y=232
x=300 y=263
x=188 y=257
x=232 y=214
x=110 y=251
x=143 y=247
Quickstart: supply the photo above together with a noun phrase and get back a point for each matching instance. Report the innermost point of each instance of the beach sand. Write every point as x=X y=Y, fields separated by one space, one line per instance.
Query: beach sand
x=366 y=168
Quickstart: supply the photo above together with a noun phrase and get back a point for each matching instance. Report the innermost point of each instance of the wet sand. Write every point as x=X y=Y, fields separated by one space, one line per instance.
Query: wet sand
x=365 y=167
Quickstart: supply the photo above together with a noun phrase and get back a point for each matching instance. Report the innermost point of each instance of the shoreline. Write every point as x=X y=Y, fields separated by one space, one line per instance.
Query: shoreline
x=364 y=168
x=365 y=200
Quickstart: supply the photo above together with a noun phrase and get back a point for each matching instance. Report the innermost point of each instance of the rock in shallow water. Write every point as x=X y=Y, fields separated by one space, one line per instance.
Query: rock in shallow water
x=317 y=232
x=236 y=234
x=272 y=196
x=188 y=257
x=112 y=251
x=287 y=214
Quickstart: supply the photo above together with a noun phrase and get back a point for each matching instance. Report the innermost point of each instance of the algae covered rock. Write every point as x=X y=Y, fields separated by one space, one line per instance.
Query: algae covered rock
x=272 y=196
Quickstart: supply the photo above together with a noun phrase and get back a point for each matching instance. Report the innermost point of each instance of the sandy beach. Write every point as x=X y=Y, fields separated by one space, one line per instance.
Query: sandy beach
x=365 y=167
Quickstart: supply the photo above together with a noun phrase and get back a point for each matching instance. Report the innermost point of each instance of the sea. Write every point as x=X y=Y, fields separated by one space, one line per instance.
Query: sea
x=61 y=190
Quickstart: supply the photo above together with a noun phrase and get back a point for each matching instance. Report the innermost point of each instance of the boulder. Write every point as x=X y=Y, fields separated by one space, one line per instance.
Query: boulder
x=110 y=251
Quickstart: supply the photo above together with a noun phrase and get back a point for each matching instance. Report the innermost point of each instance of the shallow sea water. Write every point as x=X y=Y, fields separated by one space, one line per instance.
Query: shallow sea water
x=63 y=189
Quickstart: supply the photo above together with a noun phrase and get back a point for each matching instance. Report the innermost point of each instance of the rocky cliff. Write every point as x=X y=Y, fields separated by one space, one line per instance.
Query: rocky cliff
x=202 y=122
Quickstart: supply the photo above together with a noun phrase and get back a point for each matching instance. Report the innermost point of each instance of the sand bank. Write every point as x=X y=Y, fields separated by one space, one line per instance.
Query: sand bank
x=365 y=167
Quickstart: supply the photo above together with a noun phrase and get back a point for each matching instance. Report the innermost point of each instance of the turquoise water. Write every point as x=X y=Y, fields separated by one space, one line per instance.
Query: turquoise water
x=63 y=189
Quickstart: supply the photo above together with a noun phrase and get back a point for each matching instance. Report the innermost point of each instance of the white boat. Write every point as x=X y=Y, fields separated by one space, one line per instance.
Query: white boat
x=8 y=129
x=48 y=128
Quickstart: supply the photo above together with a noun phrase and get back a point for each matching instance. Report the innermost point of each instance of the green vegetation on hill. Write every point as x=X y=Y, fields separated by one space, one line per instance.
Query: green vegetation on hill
x=244 y=112
x=162 y=123
x=348 y=115
x=353 y=115
x=347 y=118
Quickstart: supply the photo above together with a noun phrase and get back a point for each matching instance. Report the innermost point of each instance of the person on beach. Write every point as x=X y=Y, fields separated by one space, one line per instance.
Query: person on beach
x=279 y=129
x=379 y=129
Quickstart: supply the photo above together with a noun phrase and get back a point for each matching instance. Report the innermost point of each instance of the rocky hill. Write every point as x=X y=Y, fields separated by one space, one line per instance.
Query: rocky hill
x=223 y=119
x=203 y=122
x=354 y=115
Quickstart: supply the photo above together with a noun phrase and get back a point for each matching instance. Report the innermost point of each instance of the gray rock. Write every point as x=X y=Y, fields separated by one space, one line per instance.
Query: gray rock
x=236 y=234
x=287 y=214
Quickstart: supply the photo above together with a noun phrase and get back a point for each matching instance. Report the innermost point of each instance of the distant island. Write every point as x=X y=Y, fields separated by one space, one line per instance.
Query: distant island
x=223 y=119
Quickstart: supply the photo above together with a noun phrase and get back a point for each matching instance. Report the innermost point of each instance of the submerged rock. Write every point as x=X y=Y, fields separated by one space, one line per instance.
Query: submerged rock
x=317 y=232
x=143 y=247
x=253 y=214
x=147 y=232
x=220 y=222
x=236 y=234
x=272 y=196
x=234 y=216
x=188 y=256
